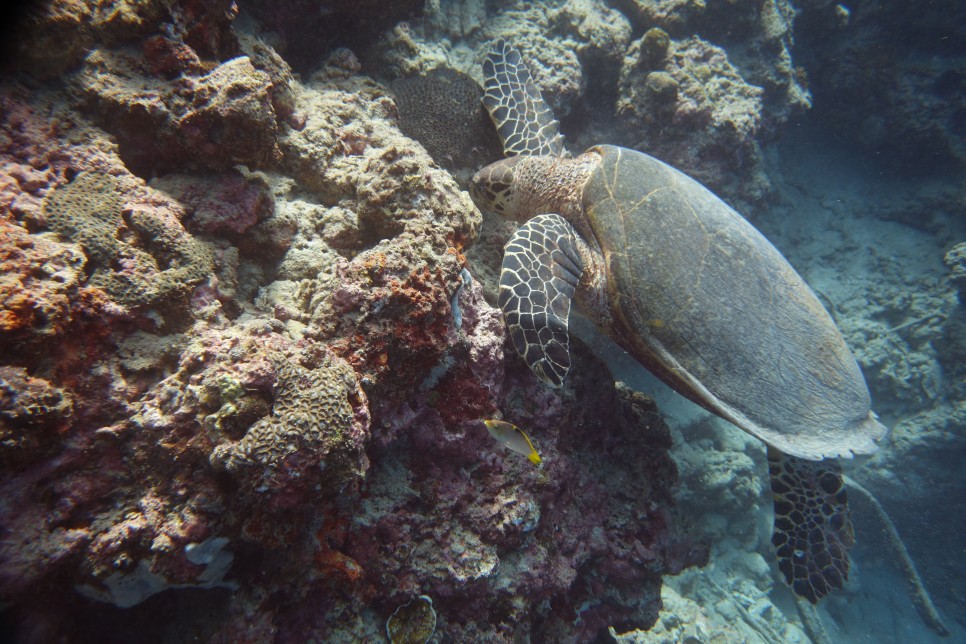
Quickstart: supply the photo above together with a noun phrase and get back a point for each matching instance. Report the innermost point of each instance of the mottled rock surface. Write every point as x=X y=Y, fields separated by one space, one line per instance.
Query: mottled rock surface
x=692 y=109
x=891 y=75
x=214 y=120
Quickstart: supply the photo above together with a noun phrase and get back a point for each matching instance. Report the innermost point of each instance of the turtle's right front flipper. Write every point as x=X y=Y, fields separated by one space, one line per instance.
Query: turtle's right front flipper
x=540 y=274
x=523 y=120
x=813 y=528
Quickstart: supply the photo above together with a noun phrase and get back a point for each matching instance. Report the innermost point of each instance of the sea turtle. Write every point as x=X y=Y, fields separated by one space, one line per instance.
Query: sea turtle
x=695 y=293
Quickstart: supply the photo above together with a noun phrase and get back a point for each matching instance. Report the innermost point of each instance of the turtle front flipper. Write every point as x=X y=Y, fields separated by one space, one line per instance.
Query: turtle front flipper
x=813 y=528
x=540 y=274
x=522 y=118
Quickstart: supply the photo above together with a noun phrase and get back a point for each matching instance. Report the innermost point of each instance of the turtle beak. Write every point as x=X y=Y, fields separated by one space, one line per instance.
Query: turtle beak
x=476 y=188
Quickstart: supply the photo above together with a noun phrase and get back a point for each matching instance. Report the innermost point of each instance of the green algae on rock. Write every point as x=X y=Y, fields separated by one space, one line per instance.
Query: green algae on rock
x=654 y=46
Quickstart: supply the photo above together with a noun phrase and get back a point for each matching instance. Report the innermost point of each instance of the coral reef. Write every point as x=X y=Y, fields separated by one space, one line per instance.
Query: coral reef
x=691 y=108
x=890 y=235
x=31 y=411
x=57 y=35
x=698 y=108
x=532 y=533
x=272 y=358
x=216 y=120
x=130 y=588
x=704 y=110
x=563 y=42
x=242 y=367
x=41 y=282
x=890 y=73
x=226 y=204
x=955 y=260
x=443 y=110
x=88 y=211
x=306 y=31
x=758 y=36
x=686 y=618
x=319 y=422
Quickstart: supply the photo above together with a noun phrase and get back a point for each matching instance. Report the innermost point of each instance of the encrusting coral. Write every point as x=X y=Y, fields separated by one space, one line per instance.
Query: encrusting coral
x=88 y=211
x=312 y=422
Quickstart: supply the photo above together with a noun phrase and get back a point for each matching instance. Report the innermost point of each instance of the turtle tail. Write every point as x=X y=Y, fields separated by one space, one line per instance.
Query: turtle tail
x=813 y=527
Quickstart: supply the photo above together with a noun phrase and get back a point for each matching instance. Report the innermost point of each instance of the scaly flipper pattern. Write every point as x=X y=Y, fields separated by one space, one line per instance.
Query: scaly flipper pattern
x=523 y=120
x=541 y=270
x=813 y=528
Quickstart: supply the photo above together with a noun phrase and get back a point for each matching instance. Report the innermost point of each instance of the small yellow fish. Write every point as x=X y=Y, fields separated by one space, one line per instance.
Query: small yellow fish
x=513 y=438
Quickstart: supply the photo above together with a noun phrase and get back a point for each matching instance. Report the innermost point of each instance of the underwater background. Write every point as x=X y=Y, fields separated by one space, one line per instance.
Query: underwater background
x=248 y=323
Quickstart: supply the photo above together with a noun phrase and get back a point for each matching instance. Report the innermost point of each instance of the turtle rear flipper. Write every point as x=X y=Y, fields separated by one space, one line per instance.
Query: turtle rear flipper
x=540 y=273
x=813 y=528
x=522 y=118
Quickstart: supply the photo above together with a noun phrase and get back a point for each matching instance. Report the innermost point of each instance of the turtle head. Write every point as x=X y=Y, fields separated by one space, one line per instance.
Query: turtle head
x=492 y=187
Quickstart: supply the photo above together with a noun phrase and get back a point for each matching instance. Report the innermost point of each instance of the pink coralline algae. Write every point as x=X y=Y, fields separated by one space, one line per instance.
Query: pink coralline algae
x=473 y=521
x=232 y=388
x=40 y=283
x=220 y=204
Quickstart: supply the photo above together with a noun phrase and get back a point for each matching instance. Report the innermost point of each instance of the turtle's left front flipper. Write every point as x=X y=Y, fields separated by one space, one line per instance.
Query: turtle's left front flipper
x=540 y=274
x=813 y=528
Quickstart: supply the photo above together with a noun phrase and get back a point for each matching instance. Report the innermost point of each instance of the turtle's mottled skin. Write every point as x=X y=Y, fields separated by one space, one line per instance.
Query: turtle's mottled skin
x=698 y=296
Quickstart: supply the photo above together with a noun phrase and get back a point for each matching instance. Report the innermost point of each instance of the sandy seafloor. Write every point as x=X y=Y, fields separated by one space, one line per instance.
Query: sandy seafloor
x=849 y=220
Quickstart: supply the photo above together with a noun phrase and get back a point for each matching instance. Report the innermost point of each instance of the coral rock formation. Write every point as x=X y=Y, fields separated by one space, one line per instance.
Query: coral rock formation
x=691 y=108
x=88 y=211
x=317 y=428
x=216 y=120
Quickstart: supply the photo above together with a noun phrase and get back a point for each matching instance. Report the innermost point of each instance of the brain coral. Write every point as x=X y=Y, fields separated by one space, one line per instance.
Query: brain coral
x=442 y=110
x=312 y=427
x=88 y=211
